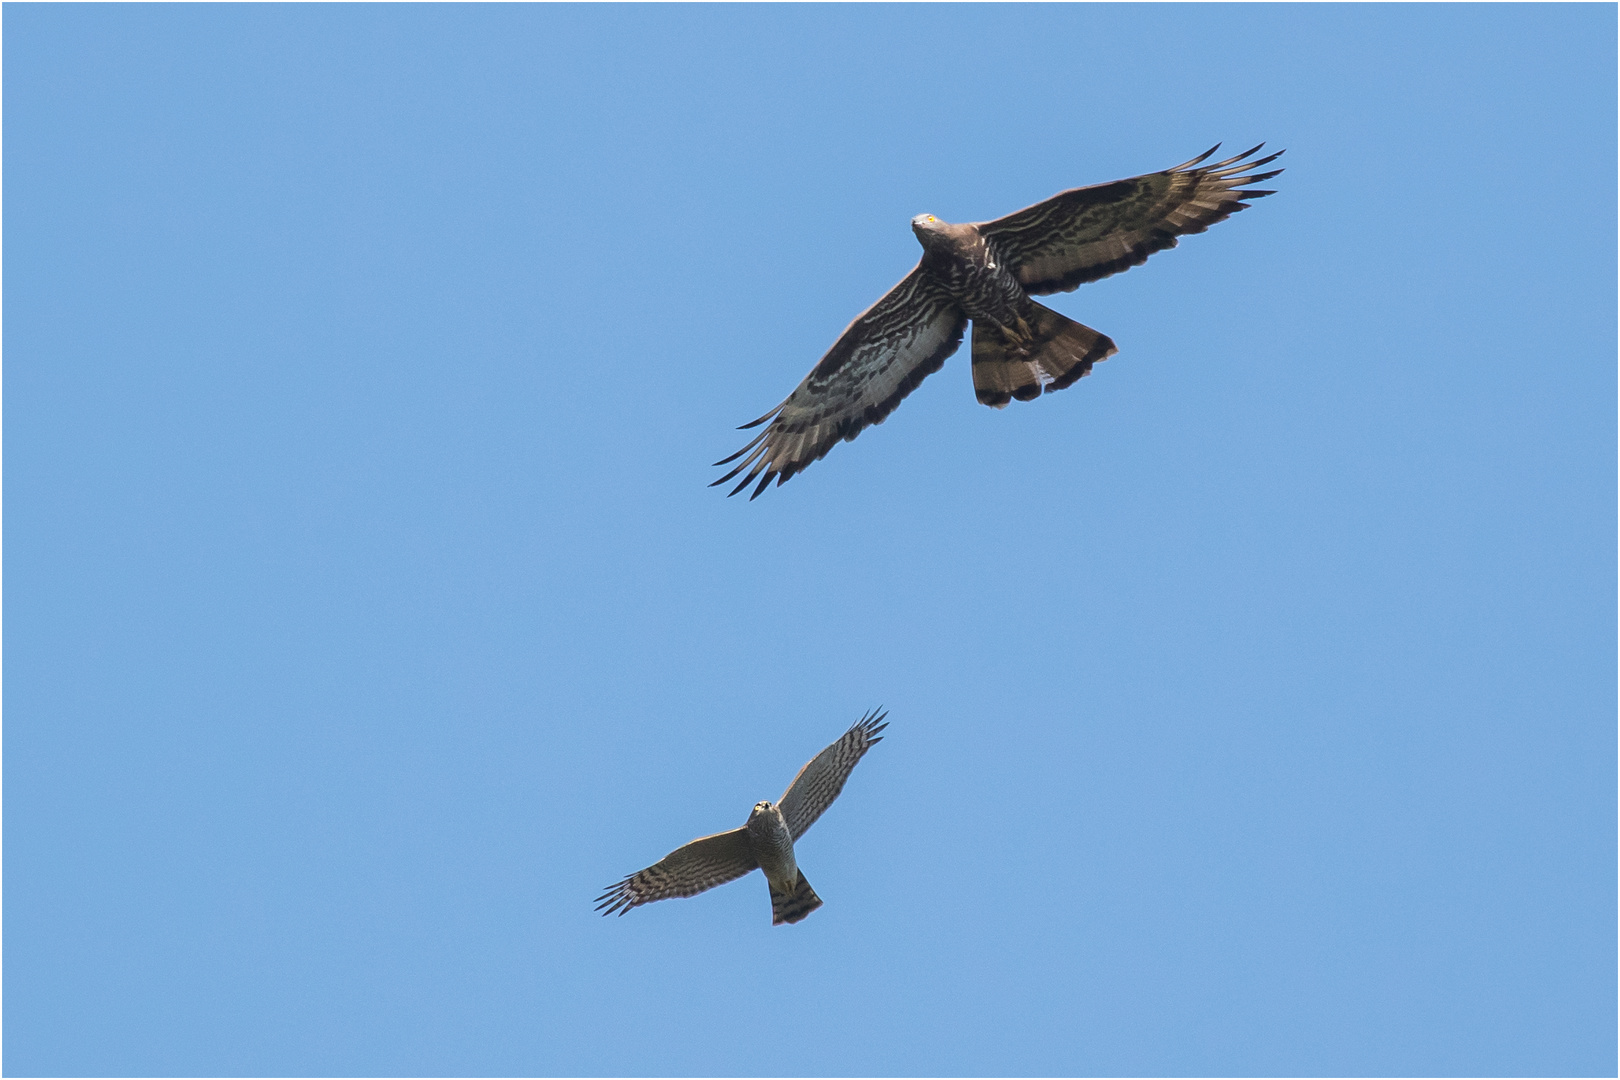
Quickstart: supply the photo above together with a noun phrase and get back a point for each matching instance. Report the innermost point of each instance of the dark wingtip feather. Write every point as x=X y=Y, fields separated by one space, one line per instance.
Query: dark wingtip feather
x=755 y=441
x=615 y=899
x=1256 y=194
x=1194 y=161
x=1227 y=163
x=1236 y=164
x=761 y=420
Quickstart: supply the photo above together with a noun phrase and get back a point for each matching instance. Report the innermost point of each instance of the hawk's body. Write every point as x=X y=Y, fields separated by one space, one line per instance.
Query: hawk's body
x=792 y=898
x=987 y=272
x=765 y=842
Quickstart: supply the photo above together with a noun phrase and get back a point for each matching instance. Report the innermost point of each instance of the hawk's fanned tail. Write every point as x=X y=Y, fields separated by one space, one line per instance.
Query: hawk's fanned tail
x=791 y=907
x=1055 y=354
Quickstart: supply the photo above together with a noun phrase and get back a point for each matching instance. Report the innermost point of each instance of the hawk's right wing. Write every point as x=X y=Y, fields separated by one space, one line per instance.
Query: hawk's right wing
x=704 y=863
x=884 y=354
x=819 y=782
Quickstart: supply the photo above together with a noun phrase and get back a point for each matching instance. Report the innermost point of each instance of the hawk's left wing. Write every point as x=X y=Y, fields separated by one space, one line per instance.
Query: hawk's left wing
x=819 y=782
x=890 y=348
x=688 y=870
x=1088 y=233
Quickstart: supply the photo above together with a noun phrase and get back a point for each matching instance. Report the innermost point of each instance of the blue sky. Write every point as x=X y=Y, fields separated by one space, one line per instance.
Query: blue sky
x=1252 y=701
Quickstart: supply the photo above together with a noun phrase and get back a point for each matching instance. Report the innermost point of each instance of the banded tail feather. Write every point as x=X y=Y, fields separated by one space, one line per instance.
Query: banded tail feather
x=791 y=907
x=1056 y=352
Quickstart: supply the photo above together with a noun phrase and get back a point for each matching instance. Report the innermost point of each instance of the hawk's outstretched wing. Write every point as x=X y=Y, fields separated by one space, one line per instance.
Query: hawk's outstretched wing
x=704 y=863
x=1091 y=232
x=819 y=782
x=889 y=348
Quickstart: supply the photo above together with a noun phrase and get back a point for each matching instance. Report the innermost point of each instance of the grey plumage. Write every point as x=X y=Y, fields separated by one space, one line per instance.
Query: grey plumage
x=823 y=776
x=765 y=842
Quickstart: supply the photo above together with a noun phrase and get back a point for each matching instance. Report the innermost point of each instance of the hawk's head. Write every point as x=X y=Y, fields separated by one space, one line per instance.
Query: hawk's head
x=766 y=822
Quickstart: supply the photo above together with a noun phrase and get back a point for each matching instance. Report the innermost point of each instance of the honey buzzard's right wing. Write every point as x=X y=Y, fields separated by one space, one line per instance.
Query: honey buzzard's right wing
x=885 y=353
x=704 y=863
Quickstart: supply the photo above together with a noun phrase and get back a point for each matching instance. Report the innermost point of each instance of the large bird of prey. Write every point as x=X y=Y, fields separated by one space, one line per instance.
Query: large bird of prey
x=765 y=842
x=987 y=272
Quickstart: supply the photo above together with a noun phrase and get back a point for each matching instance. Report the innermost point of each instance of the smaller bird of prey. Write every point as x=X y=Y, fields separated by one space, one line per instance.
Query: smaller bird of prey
x=987 y=272
x=765 y=842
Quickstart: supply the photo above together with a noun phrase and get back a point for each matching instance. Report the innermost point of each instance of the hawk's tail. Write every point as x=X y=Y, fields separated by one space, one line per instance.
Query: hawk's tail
x=1057 y=351
x=791 y=907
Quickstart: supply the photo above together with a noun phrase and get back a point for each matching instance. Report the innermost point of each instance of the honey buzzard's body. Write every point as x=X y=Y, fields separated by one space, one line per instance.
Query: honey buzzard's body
x=987 y=273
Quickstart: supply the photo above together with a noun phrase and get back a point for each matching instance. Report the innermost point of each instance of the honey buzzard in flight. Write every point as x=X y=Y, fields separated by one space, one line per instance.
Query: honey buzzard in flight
x=987 y=272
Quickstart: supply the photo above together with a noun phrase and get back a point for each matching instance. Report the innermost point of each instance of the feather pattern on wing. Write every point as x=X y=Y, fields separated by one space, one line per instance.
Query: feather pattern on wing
x=820 y=781
x=883 y=355
x=704 y=863
x=1091 y=232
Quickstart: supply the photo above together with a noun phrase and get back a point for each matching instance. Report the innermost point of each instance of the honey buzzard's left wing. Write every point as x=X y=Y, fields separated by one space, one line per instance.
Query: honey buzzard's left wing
x=1091 y=232
x=885 y=353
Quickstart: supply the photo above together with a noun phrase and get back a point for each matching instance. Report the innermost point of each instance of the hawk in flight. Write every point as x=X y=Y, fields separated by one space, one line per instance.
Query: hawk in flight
x=765 y=842
x=987 y=272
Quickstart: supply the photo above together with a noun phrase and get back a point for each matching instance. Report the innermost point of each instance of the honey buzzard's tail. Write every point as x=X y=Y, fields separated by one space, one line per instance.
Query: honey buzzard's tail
x=790 y=907
x=1009 y=362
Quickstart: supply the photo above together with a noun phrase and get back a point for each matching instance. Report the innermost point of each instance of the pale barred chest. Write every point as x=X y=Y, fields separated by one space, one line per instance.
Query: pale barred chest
x=773 y=845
